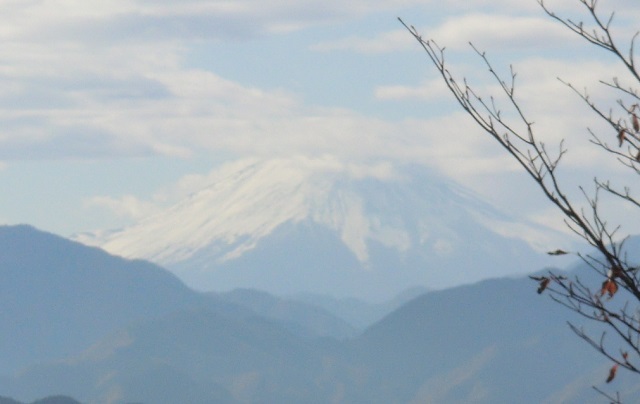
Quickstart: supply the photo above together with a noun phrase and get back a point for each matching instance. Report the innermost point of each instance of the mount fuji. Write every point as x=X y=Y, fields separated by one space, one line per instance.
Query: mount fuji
x=322 y=226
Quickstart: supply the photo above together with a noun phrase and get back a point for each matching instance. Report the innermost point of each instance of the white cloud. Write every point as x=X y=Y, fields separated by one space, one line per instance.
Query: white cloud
x=557 y=111
x=456 y=146
x=188 y=184
x=432 y=90
x=486 y=31
x=503 y=32
x=128 y=206
x=391 y=41
x=142 y=20
x=107 y=78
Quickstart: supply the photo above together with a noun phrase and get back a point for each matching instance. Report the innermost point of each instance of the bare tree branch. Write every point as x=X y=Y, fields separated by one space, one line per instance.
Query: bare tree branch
x=614 y=302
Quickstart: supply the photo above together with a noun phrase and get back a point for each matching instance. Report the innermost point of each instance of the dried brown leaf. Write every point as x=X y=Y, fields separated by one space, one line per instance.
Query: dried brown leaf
x=621 y=137
x=612 y=373
x=609 y=286
x=543 y=285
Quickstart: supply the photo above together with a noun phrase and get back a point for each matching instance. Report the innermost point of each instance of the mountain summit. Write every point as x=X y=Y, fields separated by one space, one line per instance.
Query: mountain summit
x=322 y=226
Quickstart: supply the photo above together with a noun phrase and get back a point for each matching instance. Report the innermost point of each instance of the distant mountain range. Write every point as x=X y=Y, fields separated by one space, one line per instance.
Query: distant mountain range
x=59 y=297
x=321 y=226
x=137 y=334
x=45 y=400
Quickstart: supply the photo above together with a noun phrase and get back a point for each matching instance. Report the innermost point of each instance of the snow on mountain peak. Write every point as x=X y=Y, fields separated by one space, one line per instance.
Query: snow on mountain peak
x=247 y=200
x=377 y=211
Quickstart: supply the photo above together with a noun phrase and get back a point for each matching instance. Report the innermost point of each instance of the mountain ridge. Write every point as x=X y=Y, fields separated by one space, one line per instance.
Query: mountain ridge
x=59 y=297
x=492 y=341
x=39 y=268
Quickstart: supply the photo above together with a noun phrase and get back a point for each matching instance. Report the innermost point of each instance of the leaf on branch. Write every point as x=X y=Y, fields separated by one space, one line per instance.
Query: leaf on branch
x=621 y=137
x=557 y=252
x=614 y=272
x=612 y=373
x=544 y=282
x=609 y=286
x=638 y=156
x=636 y=123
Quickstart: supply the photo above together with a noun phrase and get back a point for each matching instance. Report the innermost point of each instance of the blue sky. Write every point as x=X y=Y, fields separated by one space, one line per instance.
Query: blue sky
x=112 y=109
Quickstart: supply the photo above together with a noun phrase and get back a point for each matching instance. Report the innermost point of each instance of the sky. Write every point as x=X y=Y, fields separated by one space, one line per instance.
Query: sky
x=112 y=109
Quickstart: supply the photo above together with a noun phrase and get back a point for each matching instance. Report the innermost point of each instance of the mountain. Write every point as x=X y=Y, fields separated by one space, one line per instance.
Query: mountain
x=192 y=356
x=320 y=226
x=359 y=313
x=493 y=341
x=58 y=296
x=46 y=400
x=297 y=316
x=81 y=323
x=7 y=400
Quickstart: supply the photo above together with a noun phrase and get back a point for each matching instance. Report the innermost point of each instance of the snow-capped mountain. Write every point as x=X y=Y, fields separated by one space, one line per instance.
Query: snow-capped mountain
x=318 y=225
